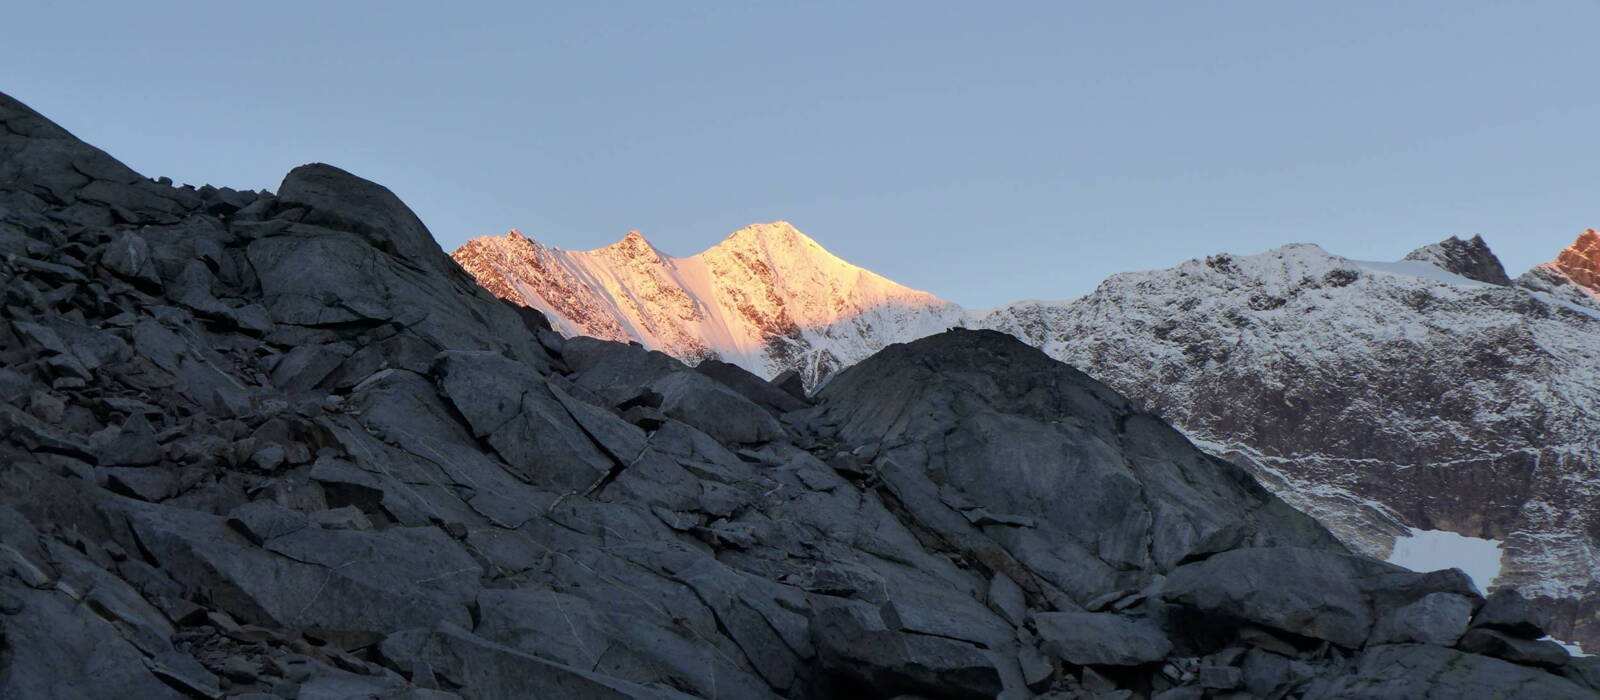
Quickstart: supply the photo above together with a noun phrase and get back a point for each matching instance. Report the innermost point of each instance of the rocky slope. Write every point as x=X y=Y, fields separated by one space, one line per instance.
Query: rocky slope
x=1379 y=397
x=264 y=446
x=1432 y=394
x=767 y=298
x=1470 y=258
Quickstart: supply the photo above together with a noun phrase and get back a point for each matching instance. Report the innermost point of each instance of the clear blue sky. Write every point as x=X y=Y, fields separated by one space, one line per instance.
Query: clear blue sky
x=983 y=151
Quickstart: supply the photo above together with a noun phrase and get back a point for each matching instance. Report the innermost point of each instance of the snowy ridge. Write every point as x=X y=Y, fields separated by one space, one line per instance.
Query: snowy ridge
x=767 y=298
x=1381 y=398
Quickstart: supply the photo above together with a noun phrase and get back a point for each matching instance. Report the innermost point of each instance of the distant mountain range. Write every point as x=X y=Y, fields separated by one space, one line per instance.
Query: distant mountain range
x=1389 y=399
x=767 y=298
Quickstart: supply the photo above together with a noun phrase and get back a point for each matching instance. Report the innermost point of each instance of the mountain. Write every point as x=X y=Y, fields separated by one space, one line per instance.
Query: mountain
x=260 y=445
x=767 y=298
x=1397 y=402
x=1382 y=398
x=1574 y=276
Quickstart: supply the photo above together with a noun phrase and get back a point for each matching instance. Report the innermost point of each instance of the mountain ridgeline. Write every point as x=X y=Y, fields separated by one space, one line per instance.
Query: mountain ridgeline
x=1430 y=394
x=277 y=445
x=767 y=298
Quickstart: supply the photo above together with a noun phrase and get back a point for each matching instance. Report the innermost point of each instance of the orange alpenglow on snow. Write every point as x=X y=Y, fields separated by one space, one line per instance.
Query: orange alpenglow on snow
x=1580 y=262
x=766 y=298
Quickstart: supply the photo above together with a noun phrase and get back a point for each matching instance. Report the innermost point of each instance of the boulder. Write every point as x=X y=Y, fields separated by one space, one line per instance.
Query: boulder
x=1115 y=483
x=712 y=407
x=1220 y=677
x=133 y=445
x=1529 y=652
x=757 y=390
x=854 y=643
x=305 y=366
x=1412 y=671
x=506 y=404
x=616 y=372
x=1266 y=674
x=1507 y=611
x=1099 y=639
x=335 y=199
x=489 y=671
x=1585 y=671
x=791 y=383
x=1308 y=592
x=182 y=670
x=1436 y=618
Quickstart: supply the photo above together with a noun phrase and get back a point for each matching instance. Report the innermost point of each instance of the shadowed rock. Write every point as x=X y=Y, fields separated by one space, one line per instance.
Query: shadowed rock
x=1469 y=258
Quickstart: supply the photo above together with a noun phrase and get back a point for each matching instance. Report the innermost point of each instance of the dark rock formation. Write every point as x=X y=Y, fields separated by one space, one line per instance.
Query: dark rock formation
x=1470 y=258
x=268 y=446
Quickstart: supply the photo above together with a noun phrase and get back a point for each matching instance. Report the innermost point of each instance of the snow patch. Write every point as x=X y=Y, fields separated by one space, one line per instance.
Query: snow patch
x=1413 y=268
x=1431 y=550
x=1571 y=648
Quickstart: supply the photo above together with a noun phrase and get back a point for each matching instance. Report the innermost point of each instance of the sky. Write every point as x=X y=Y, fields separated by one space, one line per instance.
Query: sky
x=986 y=152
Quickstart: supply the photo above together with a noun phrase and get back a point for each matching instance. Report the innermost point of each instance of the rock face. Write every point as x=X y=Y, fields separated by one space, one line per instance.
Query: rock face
x=1581 y=261
x=1470 y=258
x=321 y=463
x=1574 y=276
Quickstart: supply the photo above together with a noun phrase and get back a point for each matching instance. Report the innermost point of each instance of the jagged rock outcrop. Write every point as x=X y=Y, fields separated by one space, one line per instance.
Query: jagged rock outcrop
x=1581 y=261
x=1574 y=276
x=272 y=446
x=1470 y=258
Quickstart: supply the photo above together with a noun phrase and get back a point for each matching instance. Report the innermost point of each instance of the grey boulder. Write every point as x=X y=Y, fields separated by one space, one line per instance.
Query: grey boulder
x=1100 y=639
x=1436 y=618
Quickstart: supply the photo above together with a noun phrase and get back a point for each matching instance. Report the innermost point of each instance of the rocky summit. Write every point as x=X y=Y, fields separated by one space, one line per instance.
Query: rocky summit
x=279 y=446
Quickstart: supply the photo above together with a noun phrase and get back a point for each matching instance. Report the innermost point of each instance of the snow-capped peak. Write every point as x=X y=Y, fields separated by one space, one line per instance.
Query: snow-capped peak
x=777 y=232
x=633 y=246
x=1573 y=277
x=767 y=298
